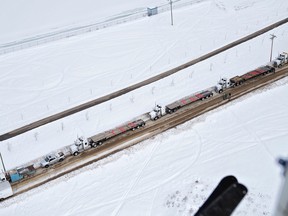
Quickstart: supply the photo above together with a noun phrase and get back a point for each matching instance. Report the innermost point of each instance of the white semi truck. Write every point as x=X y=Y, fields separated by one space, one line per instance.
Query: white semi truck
x=157 y=113
x=81 y=144
x=281 y=60
x=221 y=85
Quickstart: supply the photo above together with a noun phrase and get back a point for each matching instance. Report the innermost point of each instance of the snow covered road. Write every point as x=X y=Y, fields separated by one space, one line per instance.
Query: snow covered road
x=172 y=173
x=41 y=81
x=128 y=89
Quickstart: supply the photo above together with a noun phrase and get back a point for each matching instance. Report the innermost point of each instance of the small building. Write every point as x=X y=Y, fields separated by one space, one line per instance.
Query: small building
x=152 y=11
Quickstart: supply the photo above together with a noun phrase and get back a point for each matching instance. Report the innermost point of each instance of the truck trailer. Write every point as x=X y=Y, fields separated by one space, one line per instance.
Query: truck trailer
x=239 y=80
x=188 y=100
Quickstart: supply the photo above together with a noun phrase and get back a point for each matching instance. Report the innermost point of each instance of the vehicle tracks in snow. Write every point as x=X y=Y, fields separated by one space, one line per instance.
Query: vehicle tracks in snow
x=135 y=180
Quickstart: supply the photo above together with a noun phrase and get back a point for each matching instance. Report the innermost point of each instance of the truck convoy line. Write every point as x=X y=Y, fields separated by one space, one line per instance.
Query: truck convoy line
x=152 y=128
x=110 y=96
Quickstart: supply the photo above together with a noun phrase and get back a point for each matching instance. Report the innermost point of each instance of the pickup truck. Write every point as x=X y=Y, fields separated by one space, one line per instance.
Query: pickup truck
x=52 y=159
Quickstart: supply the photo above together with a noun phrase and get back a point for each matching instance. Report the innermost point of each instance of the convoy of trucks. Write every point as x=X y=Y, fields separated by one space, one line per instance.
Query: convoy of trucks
x=82 y=144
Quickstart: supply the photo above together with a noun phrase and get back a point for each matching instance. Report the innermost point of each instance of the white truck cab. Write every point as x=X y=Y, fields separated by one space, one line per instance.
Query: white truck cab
x=79 y=145
x=222 y=85
x=281 y=60
x=157 y=113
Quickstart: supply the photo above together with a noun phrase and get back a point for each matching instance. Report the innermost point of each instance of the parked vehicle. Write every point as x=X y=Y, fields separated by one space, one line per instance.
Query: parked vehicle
x=238 y=80
x=281 y=60
x=157 y=112
x=20 y=173
x=222 y=85
x=98 y=139
x=52 y=159
x=188 y=100
x=81 y=144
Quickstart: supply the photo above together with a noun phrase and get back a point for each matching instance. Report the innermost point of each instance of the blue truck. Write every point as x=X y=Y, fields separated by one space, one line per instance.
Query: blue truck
x=20 y=173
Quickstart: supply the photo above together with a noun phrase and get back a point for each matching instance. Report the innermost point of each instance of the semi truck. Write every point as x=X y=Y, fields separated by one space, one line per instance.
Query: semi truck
x=239 y=80
x=157 y=112
x=221 y=85
x=98 y=139
x=281 y=60
x=81 y=144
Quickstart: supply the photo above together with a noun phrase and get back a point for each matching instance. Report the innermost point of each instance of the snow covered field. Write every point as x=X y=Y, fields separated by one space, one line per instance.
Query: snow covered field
x=172 y=173
x=159 y=176
x=43 y=80
x=50 y=16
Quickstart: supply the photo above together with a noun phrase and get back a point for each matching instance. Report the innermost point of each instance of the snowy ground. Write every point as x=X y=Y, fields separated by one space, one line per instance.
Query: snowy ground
x=34 y=97
x=157 y=177
x=172 y=173
x=50 y=16
x=40 y=81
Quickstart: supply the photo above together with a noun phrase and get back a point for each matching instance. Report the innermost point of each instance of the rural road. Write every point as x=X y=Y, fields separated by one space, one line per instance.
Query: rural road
x=152 y=128
x=123 y=91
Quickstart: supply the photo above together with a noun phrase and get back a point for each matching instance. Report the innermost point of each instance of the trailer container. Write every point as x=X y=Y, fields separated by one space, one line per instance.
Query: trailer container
x=188 y=100
x=238 y=80
x=102 y=137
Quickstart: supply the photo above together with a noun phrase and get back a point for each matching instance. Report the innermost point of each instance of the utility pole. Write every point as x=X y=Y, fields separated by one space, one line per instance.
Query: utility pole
x=2 y=163
x=272 y=40
x=170 y=2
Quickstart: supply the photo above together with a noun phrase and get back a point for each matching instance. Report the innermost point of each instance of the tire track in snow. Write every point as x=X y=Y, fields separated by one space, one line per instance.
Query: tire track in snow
x=126 y=196
x=152 y=203
x=157 y=186
x=254 y=135
x=135 y=181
